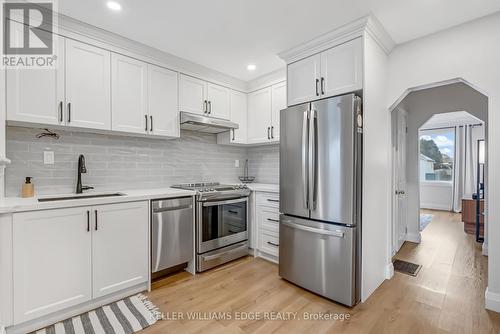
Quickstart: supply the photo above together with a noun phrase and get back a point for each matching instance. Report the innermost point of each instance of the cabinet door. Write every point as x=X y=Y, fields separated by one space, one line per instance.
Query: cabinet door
x=303 y=80
x=238 y=110
x=278 y=103
x=119 y=246
x=259 y=116
x=192 y=94
x=218 y=101
x=129 y=94
x=52 y=261
x=88 y=98
x=163 y=102
x=36 y=96
x=342 y=69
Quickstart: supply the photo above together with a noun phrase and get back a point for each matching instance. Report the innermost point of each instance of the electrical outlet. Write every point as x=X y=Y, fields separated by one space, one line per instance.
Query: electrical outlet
x=236 y=163
x=48 y=157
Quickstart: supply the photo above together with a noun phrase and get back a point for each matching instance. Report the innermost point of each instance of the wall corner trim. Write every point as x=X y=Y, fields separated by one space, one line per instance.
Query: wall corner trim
x=389 y=271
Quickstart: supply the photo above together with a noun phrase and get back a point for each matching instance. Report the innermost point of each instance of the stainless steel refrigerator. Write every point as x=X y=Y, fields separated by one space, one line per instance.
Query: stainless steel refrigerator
x=320 y=197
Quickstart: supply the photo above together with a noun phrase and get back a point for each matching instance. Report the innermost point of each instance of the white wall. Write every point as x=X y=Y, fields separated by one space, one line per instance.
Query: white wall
x=376 y=250
x=436 y=195
x=470 y=51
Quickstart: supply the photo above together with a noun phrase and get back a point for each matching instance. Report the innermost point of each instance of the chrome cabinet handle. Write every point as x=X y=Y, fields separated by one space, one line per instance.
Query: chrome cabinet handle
x=273 y=200
x=317 y=90
x=146 y=126
x=322 y=86
x=273 y=220
x=233 y=135
x=268 y=133
x=205 y=107
x=88 y=221
x=273 y=244
x=151 y=125
x=69 y=112
x=61 y=111
x=313 y=230
x=95 y=211
x=272 y=132
x=209 y=107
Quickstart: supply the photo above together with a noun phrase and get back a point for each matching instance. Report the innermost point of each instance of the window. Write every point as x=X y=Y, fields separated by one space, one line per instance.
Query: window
x=437 y=154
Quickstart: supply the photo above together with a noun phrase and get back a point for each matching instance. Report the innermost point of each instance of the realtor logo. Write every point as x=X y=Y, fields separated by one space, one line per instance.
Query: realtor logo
x=28 y=34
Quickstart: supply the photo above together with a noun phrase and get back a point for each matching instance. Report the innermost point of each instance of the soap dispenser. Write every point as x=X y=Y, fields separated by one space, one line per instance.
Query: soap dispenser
x=28 y=188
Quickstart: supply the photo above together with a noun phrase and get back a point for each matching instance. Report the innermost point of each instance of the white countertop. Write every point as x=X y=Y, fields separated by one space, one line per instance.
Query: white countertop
x=265 y=187
x=17 y=204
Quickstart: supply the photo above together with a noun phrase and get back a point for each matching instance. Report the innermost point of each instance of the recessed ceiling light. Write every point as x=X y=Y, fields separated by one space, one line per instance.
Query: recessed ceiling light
x=113 y=5
x=251 y=67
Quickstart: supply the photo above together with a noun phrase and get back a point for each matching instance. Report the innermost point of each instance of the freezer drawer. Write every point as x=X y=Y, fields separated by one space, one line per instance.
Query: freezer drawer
x=172 y=233
x=319 y=257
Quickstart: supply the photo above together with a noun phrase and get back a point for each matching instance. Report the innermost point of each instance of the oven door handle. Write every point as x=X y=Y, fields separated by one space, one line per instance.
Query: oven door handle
x=216 y=256
x=231 y=201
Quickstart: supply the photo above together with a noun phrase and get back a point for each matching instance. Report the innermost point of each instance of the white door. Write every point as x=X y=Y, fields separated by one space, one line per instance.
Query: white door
x=400 y=197
x=129 y=94
x=218 y=101
x=163 y=102
x=52 y=261
x=303 y=80
x=88 y=81
x=36 y=96
x=278 y=103
x=239 y=116
x=342 y=69
x=192 y=95
x=119 y=246
x=259 y=116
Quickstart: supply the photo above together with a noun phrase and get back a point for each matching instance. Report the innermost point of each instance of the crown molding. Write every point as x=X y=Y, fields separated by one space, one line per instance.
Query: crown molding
x=357 y=28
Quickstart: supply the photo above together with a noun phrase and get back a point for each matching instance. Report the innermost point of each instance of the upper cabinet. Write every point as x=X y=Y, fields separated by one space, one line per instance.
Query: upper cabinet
x=163 y=108
x=204 y=98
x=332 y=72
x=238 y=115
x=278 y=99
x=88 y=82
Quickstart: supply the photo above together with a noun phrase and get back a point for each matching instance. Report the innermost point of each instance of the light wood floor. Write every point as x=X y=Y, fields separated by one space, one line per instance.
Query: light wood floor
x=447 y=296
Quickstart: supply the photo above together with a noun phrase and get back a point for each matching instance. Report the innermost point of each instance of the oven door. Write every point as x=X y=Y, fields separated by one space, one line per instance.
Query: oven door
x=221 y=223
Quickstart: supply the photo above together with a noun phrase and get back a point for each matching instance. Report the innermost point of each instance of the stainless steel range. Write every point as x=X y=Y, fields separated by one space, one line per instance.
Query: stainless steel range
x=221 y=222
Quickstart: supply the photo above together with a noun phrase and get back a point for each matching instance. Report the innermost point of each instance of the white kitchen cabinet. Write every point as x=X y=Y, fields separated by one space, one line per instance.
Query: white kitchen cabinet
x=342 y=69
x=303 y=80
x=36 y=96
x=192 y=95
x=119 y=246
x=238 y=115
x=259 y=116
x=335 y=71
x=267 y=225
x=278 y=98
x=129 y=94
x=163 y=102
x=52 y=261
x=88 y=85
x=218 y=100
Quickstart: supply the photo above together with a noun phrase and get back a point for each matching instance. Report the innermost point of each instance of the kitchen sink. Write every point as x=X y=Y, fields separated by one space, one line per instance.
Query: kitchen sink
x=72 y=197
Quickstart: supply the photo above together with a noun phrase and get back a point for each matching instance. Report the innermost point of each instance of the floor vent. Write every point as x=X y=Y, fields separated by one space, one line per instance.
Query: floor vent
x=407 y=268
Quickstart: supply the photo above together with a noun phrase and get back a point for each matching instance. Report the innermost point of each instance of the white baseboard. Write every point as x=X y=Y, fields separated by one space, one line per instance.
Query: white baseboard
x=485 y=249
x=432 y=206
x=492 y=301
x=413 y=237
x=389 y=271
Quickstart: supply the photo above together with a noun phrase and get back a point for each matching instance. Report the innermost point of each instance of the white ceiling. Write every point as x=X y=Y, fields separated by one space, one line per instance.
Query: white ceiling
x=450 y=119
x=226 y=35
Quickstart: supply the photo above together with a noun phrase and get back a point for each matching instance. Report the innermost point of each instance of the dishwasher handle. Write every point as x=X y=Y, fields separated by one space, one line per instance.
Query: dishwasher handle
x=173 y=208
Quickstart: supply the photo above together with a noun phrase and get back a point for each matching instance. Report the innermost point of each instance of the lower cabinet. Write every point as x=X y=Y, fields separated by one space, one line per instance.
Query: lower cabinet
x=267 y=225
x=65 y=257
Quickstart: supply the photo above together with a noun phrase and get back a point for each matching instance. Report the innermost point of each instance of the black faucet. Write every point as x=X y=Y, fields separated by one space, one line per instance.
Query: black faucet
x=81 y=169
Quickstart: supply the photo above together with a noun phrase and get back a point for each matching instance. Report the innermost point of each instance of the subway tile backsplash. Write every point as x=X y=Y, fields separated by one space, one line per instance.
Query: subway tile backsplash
x=121 y=162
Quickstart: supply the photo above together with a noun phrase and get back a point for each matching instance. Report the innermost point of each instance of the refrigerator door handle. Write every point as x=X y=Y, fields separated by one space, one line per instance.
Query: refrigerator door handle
x=313 y=126
x=305 y=172
x=337 y=234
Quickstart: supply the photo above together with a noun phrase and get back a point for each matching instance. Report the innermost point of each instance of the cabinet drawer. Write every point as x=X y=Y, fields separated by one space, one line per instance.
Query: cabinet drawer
x=268 y=199
x=269 y=243
x=269 y=220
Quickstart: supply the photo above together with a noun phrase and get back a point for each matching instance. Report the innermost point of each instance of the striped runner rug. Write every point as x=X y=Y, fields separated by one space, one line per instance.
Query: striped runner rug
x=126 y=316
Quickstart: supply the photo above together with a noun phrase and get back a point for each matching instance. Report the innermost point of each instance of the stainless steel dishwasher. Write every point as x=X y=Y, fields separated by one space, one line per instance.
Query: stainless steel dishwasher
x=172 y=236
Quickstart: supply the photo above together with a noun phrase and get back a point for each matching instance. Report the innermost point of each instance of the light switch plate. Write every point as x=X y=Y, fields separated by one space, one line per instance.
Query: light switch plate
x=236 y=163
x=48 y=157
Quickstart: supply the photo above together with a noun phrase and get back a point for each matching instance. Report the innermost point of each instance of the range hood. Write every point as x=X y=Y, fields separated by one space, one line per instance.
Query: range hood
x=202 y=123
